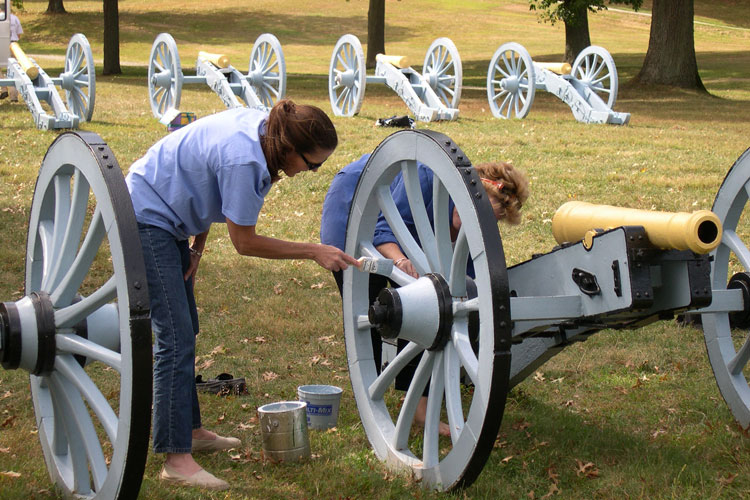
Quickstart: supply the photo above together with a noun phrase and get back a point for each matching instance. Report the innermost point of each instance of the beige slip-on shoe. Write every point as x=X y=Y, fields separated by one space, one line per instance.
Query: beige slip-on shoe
x=201 y=479
x=218 y=444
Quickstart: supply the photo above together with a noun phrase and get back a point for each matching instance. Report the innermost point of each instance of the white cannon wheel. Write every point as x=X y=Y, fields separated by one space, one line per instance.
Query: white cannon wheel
x=510 y=81
x=347 y=76
x=473 y=413
x=442 y=68
x=93 y=407
x=79 y=64
x=595 y=67
x=267 y=69
x=164 y=75
x=728 y=348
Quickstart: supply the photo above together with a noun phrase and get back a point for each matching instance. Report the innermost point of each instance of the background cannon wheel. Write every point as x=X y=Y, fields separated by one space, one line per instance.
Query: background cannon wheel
x=347 y=76
x=510 y=81
x=442 y=68
x=164 y=75
x=473 y=412
x=728 y=348
x=79 y=77
x=595 y=67
x=267 y=69
x=87 y=340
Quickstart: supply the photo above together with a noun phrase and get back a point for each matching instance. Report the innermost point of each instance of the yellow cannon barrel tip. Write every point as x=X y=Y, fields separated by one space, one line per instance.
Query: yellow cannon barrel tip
x=698 y=231
x=398 y=61
x=218 y=60
x=23 y=60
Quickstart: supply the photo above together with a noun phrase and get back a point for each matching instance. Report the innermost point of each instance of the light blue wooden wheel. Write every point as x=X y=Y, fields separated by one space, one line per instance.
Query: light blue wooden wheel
x=595 y=68
x=82 y=329
x=442 y=69
x=164 y=75
x=510 y=82
x=436 y=325
x=347 y=76
x=267 y=69
x=79 y=77
x=729 y=348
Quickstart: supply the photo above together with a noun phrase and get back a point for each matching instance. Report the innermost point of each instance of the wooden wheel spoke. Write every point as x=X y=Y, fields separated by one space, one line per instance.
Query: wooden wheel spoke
x=413 y=394
x=397 y=225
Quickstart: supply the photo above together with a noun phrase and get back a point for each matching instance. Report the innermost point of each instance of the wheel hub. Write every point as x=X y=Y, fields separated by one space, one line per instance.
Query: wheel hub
x=421 y=312
x=27 y=334
x=510 y=84
x=345 y=78
x=162 y=79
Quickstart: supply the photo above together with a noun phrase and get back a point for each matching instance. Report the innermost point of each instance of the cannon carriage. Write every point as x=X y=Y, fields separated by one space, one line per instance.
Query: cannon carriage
x=261 y=88
x=431 y=95
x=476 y=327
x=588 y=86
x=78 y=80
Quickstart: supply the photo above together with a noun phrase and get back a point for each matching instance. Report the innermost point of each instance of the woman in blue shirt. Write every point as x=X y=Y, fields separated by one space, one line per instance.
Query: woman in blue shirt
x=506 y=186
x=217 y=169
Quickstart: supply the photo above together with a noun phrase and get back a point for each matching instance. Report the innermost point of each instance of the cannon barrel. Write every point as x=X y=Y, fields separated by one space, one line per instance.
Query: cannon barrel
x=218 y=60
x=558 y=68
x=698 y=231
x=398 y=61
x=23 y=60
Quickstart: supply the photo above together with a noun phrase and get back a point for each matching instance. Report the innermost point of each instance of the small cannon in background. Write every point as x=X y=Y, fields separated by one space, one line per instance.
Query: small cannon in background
x=589 y=86
x=494 y=326
x=432 y=95
x=34 y=85
x=261 y=88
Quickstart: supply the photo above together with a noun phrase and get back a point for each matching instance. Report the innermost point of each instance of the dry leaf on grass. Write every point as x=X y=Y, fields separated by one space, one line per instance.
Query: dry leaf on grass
x=506 y=459
x=539 y=377
x=4 y=450
x=268 y=376
x=327 y=339
x=10 y=473
x=728 y=479
x=317 y=286
x=260 y=340
x=553 y=489
x=277 y=289
x=219 y=349
x=587 y=469
x=206 y=364
x=8 y=422
x=7 y=394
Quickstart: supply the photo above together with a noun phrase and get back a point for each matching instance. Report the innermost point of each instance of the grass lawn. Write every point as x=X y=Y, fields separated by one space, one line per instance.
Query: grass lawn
x=627 y=414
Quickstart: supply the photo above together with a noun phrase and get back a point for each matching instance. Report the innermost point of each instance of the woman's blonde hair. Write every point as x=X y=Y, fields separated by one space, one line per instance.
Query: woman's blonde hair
x=507 y=187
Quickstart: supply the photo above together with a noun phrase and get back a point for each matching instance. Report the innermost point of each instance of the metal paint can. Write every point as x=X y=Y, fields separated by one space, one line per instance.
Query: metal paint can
x=322 y=405
x=284 y=431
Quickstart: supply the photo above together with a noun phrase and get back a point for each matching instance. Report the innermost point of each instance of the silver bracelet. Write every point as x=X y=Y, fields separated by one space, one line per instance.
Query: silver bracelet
x=196 y=252
x=399 y=261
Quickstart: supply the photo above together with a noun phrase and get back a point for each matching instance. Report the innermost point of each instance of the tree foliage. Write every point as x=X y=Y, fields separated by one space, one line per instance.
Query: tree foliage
x=574 y=13
x=570 y=11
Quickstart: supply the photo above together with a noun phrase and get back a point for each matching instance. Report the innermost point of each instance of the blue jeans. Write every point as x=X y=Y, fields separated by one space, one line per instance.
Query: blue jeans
x=174 y=321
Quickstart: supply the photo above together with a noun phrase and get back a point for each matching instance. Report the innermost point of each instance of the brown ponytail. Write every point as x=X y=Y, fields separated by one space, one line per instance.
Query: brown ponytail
x=507 y=187
x=294 y=127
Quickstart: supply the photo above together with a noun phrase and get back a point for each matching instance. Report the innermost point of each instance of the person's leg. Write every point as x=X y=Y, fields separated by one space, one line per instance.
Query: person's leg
x=174 y=356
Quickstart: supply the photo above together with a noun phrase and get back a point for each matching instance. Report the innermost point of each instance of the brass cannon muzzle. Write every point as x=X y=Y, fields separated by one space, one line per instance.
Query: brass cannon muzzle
x=23 y=60
x=697 y=231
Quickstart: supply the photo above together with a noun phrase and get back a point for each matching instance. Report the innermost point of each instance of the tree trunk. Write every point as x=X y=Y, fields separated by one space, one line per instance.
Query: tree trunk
x=375 y=31
x=111 y=38
x=55 y=7
x=577 y=34
x=670 y=59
